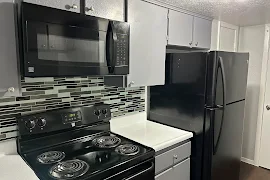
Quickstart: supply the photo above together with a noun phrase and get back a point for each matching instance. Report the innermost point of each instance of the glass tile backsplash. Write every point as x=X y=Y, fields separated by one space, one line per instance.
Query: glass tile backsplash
x=43 y=94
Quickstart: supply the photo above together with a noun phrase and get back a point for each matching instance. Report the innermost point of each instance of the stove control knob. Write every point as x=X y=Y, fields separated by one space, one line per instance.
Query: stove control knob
x=104 y=111
x=97 y=112
x=41 y=122
x=30 y=124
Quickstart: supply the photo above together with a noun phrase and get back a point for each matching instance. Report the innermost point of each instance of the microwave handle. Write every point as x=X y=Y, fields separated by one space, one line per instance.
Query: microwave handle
x=111 y=47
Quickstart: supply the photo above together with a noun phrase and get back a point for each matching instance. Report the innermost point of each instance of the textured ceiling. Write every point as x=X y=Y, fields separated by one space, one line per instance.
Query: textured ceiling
x=239 y=12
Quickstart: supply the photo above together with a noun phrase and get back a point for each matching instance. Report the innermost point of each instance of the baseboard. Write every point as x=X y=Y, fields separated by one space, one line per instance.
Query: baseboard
x=248 y=161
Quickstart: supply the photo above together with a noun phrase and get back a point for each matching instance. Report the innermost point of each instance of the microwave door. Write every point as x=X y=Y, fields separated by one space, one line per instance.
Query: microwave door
x=54 y=50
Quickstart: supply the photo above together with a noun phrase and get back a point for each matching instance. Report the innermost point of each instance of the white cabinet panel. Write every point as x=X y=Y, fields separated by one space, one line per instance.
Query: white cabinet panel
x=148 y=31
x=9 y=74
x=180 y=29
x=68 y=5
x=202 y=33
x=107 y=9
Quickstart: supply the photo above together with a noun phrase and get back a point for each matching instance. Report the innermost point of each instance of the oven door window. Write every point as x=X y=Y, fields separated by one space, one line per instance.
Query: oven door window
x=65 y=45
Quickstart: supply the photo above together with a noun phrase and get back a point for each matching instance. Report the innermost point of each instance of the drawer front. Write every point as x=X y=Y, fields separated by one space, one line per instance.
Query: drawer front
x=181 y=152
x=166 y=175
x=182 y=171
x=172 y=157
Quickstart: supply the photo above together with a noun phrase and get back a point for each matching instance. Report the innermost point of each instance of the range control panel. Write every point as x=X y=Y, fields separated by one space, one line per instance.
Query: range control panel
x=63 y=119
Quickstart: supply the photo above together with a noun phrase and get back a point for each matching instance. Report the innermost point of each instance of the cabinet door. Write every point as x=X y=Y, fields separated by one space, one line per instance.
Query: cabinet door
x=202 y=33
x=180 y=29
x=107 y=9
x=9 y=74
x=182 y=170
x=148 y=31
x=68 y=5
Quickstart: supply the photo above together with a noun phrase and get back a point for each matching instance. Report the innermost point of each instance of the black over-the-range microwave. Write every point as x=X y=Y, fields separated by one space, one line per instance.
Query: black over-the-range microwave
x=61 y=43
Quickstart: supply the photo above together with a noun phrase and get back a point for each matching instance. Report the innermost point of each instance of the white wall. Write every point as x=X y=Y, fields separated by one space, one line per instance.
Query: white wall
x=224 y=36
x=251 y=39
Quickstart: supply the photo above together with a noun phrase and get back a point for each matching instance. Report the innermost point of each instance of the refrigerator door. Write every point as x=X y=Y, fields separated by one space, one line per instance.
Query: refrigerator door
x=235 y=72
x=226 y=158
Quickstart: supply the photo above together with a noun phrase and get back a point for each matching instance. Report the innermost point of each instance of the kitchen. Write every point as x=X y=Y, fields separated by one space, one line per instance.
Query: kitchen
x=88 y=74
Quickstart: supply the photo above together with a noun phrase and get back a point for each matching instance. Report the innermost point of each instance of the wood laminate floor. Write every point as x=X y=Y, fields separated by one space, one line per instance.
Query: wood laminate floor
x=249 y=172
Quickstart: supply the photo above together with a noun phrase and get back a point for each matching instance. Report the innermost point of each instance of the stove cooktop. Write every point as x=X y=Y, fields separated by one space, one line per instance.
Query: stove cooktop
x=77 y=144
x=97 y=161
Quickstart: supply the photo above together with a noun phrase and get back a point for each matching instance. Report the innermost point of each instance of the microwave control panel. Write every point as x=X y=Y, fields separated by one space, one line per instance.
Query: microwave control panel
x=122 y=51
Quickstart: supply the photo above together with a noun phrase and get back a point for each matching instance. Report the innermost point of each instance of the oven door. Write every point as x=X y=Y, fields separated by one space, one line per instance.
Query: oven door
x=62 y=50
x=145 y=170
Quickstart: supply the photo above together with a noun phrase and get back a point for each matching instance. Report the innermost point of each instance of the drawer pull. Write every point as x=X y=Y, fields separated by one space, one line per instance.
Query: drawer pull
x=175 y=157
x=10 y=90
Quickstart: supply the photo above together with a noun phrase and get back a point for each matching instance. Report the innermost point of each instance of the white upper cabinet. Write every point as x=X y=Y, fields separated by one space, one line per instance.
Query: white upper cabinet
x=148 y=31
x=188 y=30
x=202 y=33
x=180 y=29
x=9 y=70
x=68 y=5
x=108 y=9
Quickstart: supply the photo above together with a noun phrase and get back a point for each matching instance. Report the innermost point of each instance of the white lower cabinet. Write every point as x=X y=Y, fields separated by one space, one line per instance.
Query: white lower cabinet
x=180 y=171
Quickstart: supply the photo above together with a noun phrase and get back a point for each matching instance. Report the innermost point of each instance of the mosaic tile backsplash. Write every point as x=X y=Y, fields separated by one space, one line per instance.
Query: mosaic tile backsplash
x=43 y=94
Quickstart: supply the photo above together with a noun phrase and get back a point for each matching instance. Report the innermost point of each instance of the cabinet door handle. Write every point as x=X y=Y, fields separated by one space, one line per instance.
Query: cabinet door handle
x=89 y=9
x=10 y=90
x=131 y=83
x=73 y=6
x=175 y=156
x=190 y=43
x=197 y=44
x=268 y=108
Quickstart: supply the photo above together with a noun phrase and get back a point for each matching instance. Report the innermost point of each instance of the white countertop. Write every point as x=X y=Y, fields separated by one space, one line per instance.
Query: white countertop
x=157 y=136
x=13 y=167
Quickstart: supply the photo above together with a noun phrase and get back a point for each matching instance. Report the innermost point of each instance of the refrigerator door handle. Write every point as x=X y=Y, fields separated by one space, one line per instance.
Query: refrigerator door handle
x=221 y=67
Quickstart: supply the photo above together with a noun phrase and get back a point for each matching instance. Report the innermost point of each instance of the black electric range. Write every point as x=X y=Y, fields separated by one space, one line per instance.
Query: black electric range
x=76 y=143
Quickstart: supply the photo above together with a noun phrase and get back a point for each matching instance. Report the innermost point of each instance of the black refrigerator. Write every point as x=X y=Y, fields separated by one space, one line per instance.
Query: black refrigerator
x=205 y=93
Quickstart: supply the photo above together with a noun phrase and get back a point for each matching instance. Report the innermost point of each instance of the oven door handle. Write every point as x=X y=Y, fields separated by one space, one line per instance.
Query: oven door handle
x=140 y=173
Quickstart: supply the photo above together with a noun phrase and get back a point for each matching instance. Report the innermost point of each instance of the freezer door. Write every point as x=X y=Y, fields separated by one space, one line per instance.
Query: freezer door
x=187 y=71
x=226 y=158
x=235 y=72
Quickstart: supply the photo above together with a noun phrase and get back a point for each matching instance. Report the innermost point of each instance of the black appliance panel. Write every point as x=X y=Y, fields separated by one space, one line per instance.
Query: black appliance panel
x=188 y=71
x=185 y=111
x=235 y=72
x=172 y=107
x=63 y=119
x=226 y=160
x=77 y=143
x=61 y=43
x=102 y=162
